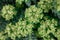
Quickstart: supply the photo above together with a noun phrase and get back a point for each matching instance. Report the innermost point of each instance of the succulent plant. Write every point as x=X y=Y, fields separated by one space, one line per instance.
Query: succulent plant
x=58 y=5
x=46 y=5
x=33 y=14
x=8 y=11
x=22 y=18
x=25 y=28
x=46 y=27
x=21 y=29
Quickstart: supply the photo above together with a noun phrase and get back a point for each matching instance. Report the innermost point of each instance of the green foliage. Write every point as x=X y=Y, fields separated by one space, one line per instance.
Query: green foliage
x=19 y=1
x=28 y=16
x=21 y=29
x=8 y=11
x=58 y=5
x=2 y=37
x=46 y=27
x=33 y=14
x=25 y=28
x=45 y=5
x=57 y=34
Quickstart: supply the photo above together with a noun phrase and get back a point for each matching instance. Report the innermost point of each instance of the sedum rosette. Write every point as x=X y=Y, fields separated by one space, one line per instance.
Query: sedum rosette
x=21 y=29
x=33 y=14
x=46 y=28
x=8 y=11
x=46 y=5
